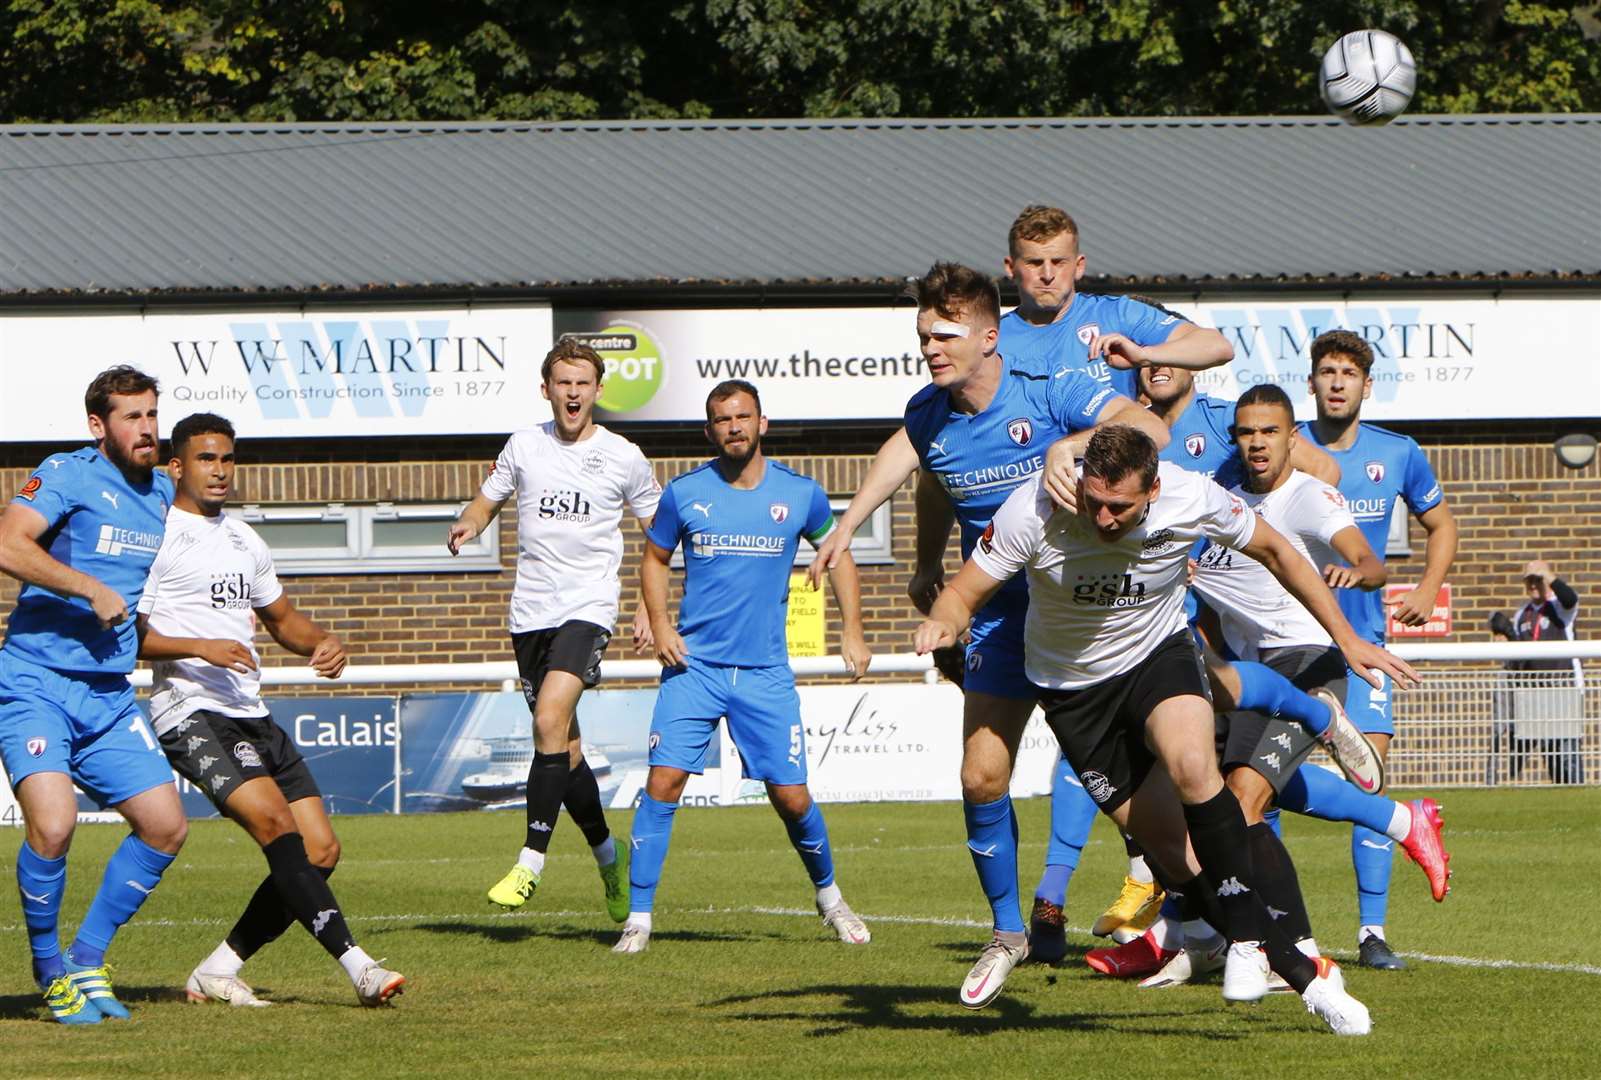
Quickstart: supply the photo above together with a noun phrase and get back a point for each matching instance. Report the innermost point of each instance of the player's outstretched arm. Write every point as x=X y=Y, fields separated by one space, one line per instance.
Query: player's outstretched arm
x=473 y=520
x=1189 y=346
x=22 y=557
x=1269 y=547
x=935 y=516
x=895 y=461
x=297 y=633
x=654 y=570
x=968 y=591
x=1364 y=570
x=1439 y=552
x=847 y=586
x=1061 y=475
x=219 y=652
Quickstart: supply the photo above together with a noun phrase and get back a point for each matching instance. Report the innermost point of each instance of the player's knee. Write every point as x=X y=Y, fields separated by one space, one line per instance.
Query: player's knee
x=1194 y=773
x=272 y=825
x=50 y=839
x=323 y=853
x=983 y=783
x=791 y=801
x=166 y=833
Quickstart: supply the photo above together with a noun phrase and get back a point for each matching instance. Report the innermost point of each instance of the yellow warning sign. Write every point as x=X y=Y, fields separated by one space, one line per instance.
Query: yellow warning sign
x=803 y=626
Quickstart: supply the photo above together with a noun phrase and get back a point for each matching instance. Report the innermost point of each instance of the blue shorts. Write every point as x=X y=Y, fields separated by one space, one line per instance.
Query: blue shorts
x=87 y=726
x=995 y=653
x=763 y=713
x=1369 y=709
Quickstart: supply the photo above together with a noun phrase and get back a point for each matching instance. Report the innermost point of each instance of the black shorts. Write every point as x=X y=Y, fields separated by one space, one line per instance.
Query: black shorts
x=217 y=753
x=1273 y=746
x=574 y=647
x=1102 y=727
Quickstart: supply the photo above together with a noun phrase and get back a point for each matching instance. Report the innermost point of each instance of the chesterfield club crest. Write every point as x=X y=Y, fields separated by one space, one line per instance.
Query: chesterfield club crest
x=1021 y=430
x=779 y=512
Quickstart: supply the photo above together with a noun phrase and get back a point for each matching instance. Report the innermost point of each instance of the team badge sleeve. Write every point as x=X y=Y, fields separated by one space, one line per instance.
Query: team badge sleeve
x=644 y=494
x=1145 y=323
x=819 y=516
x=1224 y=517
x=1076 y=400
x=1010 y=540
x=1420 y=489
x=49 y=491
x=502 y=479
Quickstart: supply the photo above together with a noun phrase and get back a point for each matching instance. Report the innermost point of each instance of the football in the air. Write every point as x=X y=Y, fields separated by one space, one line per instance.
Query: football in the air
x=1368 y=77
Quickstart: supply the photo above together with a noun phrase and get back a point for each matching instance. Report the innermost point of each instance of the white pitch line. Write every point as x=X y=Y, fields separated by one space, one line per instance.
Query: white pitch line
x=907 y=920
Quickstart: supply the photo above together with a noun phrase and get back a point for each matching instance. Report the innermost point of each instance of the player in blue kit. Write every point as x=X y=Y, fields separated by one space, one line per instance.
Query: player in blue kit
x=80 y=535
x=740 y=518
x=982 y=428
x=1377 y=467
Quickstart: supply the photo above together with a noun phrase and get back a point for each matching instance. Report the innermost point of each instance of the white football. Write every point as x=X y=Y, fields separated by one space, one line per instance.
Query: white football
x=1368 y=77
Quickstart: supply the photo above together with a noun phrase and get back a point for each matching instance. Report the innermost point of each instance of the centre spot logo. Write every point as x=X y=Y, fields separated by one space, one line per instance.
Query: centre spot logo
x=634 y=366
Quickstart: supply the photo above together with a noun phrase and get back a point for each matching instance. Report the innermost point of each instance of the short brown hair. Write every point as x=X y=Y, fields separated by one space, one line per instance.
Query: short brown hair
x=124 y=380
x=1039 y=223
x=572 y=351
x=952 y=290
x=1115 y=450
x=1347 y=344
x=727 y=389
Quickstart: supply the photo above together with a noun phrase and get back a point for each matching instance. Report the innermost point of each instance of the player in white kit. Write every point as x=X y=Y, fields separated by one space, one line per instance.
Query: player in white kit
x=1122 y=684
x=211 y=580
x=573 y=479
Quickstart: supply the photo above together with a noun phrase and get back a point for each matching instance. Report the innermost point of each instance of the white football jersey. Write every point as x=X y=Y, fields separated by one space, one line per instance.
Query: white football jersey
x=208 y=578
x=1097 y=609
x=1255 y=610
x=570 y=499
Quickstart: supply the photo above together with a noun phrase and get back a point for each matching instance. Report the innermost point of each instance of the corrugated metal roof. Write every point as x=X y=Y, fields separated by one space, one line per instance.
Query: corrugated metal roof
x=308 y=208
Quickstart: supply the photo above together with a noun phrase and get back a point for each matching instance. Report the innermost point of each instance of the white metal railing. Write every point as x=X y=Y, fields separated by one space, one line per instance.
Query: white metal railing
x=499 y=671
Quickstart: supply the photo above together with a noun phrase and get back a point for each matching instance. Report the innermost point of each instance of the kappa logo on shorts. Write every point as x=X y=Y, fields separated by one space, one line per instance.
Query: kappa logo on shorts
x=1273 y=759
x=1099 y=787
x=1195 y=444
x=185 y=724
x=219 y=782
x=528 y=691
x=1284 y=740
x=246 y=755
x=206 y=762
x=36 y=745
x=195 y=743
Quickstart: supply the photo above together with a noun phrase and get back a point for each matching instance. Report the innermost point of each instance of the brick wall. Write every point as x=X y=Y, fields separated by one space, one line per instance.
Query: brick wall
x=1512 y=500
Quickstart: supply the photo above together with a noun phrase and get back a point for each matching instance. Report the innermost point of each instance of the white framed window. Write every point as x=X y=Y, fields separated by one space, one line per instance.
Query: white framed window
x=1396 y=542
x=871 y=546
x=386 y=538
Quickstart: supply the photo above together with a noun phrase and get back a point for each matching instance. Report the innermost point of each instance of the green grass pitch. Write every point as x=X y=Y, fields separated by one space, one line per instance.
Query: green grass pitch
x=741 y=979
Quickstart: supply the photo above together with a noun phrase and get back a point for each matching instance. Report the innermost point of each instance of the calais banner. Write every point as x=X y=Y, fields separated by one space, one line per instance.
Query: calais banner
x=278 y=374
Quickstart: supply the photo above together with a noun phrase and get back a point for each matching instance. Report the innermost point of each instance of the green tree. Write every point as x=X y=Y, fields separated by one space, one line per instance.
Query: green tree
x=307 y=60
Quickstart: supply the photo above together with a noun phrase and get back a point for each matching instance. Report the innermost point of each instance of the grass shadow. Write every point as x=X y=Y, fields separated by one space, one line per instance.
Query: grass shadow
x=511 y=933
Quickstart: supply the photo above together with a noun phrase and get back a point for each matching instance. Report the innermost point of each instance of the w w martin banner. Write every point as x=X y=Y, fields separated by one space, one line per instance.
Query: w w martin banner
x=287 y=373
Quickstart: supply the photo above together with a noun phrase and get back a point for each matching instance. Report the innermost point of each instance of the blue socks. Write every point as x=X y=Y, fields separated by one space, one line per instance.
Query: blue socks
x=1373 y=856
x=1316 y=792
x=992 y=839
x=1265 y=691
x=653 y=830
x=1270 y=817
x=40 y=885
x=132 y=874
x=810 y=837
x=1072 y=816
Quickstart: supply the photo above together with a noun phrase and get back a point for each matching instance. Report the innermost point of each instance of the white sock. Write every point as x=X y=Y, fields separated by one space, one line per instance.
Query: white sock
x=640 y=919
x=1370 y=930
x=1139 y=871
x=1167 y=933
x=1308 y=946
x=1200 y=932
x=223 y=961
x=535 y=860
x=828 y=896
x=605 y=851
x=1400 y=823
x=353 y=960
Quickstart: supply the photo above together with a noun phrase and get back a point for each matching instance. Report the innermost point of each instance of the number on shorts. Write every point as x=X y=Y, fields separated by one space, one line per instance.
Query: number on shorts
x=137 y=726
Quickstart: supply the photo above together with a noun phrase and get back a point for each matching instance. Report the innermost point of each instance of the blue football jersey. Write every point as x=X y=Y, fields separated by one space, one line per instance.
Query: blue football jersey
x=979 y=458
x=1065 y=342
x=1379 y=467
x=739 y=548
x=104 y=526
x=1201 y=441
